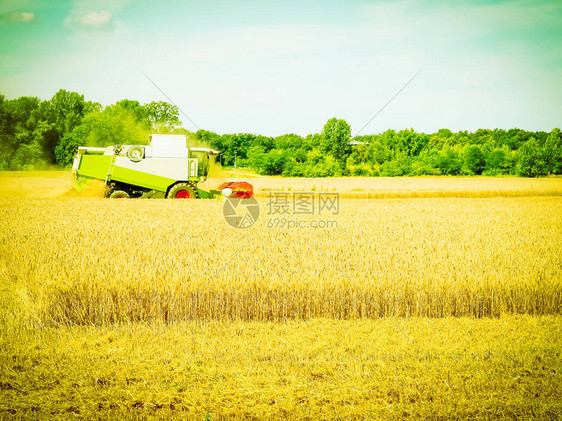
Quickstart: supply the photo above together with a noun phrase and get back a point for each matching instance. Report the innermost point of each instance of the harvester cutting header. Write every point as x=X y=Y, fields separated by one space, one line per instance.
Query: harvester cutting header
x=165 y=167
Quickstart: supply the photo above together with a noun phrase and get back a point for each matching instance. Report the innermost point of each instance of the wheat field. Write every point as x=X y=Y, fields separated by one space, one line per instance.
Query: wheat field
x=94 y=261
x=428 y=306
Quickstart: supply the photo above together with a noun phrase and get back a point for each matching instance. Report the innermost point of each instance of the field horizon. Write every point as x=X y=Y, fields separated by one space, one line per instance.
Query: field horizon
x=60 y=183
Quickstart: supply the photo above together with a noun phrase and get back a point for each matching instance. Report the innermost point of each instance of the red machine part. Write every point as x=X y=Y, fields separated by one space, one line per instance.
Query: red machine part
x=240 y=189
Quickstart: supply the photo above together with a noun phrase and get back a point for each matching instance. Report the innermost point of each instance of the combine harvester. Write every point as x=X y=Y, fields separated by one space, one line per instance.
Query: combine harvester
x=165 y=168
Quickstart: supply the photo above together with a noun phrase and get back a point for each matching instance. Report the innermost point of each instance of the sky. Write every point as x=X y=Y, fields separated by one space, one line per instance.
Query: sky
x=276 y=67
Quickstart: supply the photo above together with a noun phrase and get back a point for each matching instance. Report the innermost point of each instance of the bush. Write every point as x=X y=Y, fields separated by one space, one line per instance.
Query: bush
x=391 y=169
x=293 y=168
x=423 y=166
x=448 y=162
x=28 y=157
x=495 y=162
x=474 y=161
x=360 y=170
x=531 y=159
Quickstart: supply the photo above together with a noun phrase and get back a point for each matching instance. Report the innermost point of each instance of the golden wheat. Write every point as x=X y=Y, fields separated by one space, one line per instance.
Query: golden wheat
x=96 y=261
x=152 y=309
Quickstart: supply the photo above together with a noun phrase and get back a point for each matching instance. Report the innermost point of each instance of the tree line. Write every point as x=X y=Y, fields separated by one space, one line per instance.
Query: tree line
x=35 y=134
x=393 y=153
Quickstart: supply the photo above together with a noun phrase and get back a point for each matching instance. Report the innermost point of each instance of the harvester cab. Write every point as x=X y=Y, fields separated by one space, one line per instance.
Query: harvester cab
x=166 y=167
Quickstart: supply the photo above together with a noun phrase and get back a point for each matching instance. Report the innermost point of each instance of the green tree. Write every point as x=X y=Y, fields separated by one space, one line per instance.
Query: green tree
x=553 y=152
x=410 y=142
x=361 y=154
x=63 y=112
x=288 y=141
x=423 y=165
x=209 y=138
x=531 y=160
x=399 y=166
x=495 y=161
x=335 y=139
x=448 y=161
x=138 y=111
x=516 y=138
x=474 y=159
x=17 y=123
x=391 y=169
x=293 y=168
x=388 y=140
x=161 y=115
x=68 y=146
x=275 y=161
x=114 y=126
x=378 y=152
x=234 y=147
x=482 y=136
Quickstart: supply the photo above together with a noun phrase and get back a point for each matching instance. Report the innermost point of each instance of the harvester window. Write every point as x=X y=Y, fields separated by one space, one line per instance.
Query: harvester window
x=203 y=162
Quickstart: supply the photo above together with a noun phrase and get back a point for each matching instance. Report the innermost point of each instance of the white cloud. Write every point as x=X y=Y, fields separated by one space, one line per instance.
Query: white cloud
x=101 y=19
x=18 y=17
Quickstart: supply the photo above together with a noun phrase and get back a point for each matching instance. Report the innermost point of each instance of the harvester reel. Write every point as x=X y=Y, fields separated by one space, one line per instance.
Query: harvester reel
x=182 y=191
x=119 y=194
x=135 y=153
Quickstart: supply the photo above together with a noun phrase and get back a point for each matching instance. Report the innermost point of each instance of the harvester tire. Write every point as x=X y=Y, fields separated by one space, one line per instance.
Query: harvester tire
x=135 y=153
x=119 y=194
x=182 y=191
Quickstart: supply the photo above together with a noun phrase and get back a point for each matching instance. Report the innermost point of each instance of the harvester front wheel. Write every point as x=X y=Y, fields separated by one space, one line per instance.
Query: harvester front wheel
x=119 y=194
x=182 y=191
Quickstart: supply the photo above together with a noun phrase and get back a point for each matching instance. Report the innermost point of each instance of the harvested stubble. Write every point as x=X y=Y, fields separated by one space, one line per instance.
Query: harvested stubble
x=324 y=369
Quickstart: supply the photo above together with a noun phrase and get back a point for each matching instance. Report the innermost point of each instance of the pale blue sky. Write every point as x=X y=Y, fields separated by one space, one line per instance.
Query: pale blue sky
x=280 y=67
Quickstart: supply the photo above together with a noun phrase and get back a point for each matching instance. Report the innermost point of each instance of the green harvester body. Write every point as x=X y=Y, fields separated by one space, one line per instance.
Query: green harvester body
x=165 y=167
